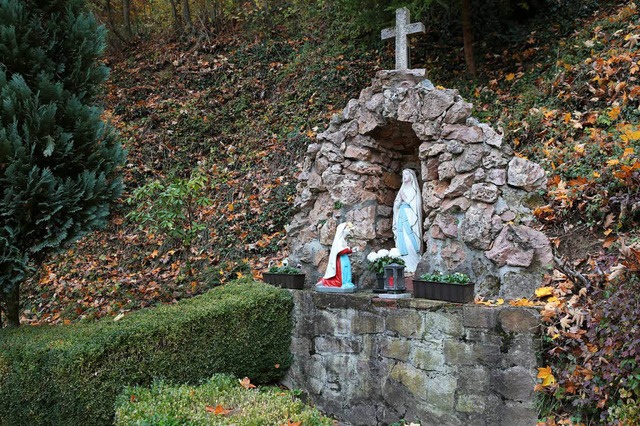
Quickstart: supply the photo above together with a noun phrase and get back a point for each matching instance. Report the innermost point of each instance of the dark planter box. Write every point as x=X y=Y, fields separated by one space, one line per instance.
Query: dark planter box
x=293 y=281
x=459 y=293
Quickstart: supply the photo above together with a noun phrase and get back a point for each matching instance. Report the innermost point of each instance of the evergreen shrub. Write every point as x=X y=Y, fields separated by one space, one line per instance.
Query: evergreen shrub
x=71 y=375
x=59 y=162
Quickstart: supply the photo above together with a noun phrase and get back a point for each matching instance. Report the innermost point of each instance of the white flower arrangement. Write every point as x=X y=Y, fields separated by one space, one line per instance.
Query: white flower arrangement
x=383 y=257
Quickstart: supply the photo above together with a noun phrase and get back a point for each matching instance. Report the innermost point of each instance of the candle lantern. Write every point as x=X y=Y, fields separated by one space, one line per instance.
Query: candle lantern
x=394 y=278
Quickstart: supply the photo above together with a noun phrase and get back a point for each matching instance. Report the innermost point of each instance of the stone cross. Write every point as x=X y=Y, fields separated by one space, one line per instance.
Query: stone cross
x=402 y=29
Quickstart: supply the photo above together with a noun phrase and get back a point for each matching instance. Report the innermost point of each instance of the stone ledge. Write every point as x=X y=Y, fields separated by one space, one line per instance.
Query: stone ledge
x=438 y=362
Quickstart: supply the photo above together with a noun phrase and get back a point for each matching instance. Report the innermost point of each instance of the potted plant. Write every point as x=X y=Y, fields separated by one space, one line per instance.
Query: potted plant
x=455 y=287
x=285 y=276
x=378 y=260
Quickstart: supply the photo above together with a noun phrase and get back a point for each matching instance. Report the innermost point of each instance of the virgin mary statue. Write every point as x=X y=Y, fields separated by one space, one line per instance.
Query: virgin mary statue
x=407 y=220
x=338 y=272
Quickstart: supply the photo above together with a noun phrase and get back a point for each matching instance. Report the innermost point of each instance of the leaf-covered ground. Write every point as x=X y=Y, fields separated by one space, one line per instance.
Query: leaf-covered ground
x=241 y=112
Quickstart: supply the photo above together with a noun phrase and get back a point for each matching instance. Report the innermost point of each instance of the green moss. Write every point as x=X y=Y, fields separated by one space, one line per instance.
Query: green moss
x=71 y=375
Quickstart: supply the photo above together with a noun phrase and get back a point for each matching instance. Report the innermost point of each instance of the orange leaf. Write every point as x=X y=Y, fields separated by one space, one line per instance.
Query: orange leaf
x=544 y=292
x=219 y=410
x=246 y=383
x=521 y=302
x=545 y=374
x=290 y=423
x=630 y=135
x=612 y=162
x=609 y=241
x=628 y=152
x=614 y=113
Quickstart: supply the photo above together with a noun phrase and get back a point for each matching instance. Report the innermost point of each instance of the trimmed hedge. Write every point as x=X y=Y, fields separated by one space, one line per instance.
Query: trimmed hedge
x=195 y=405
x=71 y=375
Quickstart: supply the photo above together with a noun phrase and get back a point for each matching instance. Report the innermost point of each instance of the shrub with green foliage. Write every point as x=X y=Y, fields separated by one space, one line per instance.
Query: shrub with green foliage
x=439 y=277
x=163 y=404
x=290 y=270
x=71 y=375
x=58 y=160
x=171 y=207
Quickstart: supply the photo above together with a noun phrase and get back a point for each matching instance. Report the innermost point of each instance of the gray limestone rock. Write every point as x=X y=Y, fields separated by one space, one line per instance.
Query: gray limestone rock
x=435 y=103
x=470 y=159
x=459 y=185
x=446 y=170
x=516 y=245
x=497 y=176
x=476 y=230
x=463 y=133
x=459 y=112
x=526 y=174
x=485 y=192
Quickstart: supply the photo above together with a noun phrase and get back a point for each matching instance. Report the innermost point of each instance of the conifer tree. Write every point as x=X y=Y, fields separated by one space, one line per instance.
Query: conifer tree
x=59 y=161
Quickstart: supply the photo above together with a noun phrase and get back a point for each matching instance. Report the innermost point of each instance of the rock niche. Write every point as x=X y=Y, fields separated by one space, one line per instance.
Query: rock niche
x=477 y=195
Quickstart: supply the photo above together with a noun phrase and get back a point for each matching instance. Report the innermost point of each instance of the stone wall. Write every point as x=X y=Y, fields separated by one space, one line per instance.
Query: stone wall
x=369 y=362
x=477 y=196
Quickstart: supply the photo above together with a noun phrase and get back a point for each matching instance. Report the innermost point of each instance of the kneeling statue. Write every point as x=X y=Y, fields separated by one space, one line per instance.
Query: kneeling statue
x=338 y=272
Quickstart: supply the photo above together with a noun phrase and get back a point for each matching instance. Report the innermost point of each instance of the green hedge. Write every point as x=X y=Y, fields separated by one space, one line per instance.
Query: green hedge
x=71 y=375
x=163 y=404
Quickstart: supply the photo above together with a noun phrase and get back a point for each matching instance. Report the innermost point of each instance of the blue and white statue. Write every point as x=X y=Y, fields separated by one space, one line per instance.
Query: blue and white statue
x=407 y=220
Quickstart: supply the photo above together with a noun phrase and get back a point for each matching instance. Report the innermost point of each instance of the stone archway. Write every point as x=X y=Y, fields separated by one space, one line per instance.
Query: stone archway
x=475 y=192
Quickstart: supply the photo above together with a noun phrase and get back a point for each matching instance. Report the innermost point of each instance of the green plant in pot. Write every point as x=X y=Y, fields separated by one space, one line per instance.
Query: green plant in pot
x=285 y=276
x=456 y=287
x=378 y=260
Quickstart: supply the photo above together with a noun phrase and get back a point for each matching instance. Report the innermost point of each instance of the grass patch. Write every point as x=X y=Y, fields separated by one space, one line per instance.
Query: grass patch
x=220 y=401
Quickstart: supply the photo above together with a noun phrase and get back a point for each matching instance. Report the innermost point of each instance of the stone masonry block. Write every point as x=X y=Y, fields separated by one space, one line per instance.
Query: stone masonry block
x=471 y=403
x=473 y=379
x=395 y=348
x=518 y=414
x=479 y=316
x=458 y=353
x=334 y=345
x=366 y=323
x=413 y=379
x=428 y=358
x=301 y=345
x=522 y=350
x=443 y=323
x=406 y=323
x=441 y=391
x=334 y=321
x=515 y=383
x=519 y=320
x=482 y=336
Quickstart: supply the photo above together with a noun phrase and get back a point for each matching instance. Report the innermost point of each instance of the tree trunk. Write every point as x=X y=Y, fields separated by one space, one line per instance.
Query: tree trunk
x=126 y=17
x=177 y=27
x=467 y=37
x=13 y=307
x=111 y=21
x=186 y=15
